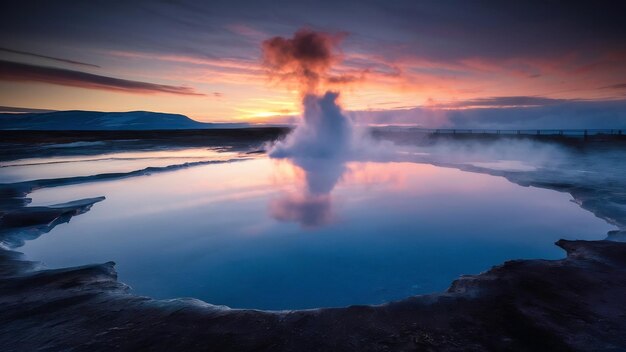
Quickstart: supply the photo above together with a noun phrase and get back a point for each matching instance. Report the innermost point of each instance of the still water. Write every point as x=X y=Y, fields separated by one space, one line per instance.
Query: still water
x=268 y=234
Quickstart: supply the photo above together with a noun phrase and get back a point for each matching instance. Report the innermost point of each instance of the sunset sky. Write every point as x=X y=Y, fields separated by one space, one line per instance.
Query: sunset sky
x=431 y=63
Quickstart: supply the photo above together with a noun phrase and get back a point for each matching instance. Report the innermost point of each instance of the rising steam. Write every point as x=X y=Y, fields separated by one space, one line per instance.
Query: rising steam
x=324 y=132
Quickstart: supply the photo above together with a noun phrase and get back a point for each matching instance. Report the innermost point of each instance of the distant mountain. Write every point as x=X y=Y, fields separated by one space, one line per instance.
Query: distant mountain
x=95 y=121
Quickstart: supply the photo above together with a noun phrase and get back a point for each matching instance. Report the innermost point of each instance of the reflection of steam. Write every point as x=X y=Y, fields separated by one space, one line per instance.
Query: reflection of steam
x=321 y=174
x=308 y=210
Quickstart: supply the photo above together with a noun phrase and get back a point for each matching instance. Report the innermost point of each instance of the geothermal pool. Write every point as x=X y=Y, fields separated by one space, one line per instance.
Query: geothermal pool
x=267 y=234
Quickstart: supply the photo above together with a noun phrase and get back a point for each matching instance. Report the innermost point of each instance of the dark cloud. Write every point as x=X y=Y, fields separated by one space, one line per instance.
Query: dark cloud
x=565 y=115
x=453 y=30
x=439 y=30
x=19 y=72
x=13 y=109
x=555 y=114
x=520 y=101
x=615 y=86
x=67 y=61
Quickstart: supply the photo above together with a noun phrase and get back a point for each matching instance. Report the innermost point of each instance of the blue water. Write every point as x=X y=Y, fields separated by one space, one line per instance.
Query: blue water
x=270 y=235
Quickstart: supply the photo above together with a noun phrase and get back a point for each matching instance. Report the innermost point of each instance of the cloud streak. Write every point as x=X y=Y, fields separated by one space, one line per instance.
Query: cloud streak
x=615 y=86
x=19 y=72
x=14 y=109
x=57 y=59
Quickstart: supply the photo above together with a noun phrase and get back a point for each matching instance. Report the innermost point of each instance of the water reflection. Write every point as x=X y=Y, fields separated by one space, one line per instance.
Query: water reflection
x=374 y=231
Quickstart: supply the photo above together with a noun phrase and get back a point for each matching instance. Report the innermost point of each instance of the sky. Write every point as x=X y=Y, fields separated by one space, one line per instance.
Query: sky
x=518 y=64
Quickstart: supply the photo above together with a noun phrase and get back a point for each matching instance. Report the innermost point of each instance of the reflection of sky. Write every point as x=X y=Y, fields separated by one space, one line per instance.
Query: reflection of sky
x=397 y=229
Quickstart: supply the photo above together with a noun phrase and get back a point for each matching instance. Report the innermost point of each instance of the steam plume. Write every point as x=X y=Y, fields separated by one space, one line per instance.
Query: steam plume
x=305 y=58
x=324 y=140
